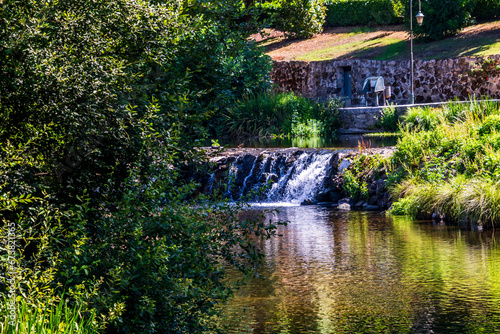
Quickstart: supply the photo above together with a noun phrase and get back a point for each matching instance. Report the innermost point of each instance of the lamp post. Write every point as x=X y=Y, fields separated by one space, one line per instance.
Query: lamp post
x=420 y=19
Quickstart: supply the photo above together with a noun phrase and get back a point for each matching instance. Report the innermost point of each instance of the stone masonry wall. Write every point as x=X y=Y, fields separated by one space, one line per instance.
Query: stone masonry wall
x=435 y=80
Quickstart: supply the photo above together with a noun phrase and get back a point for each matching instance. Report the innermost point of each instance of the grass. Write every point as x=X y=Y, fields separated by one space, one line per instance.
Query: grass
x=458 y=47
x=382 y=134
x=355 y=49
x=451 y=159
x=386 y=43
x=59 y=319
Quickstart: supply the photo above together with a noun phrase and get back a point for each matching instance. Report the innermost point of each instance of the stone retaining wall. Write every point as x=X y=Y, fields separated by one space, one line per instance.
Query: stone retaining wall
x=359 y=120
x=435 y=80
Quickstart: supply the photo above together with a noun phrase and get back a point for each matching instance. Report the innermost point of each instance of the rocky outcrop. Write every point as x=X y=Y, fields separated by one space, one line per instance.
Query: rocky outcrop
x=301 y=176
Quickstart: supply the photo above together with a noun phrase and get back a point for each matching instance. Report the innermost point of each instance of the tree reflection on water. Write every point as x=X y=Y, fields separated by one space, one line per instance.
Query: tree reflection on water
x=355 y=272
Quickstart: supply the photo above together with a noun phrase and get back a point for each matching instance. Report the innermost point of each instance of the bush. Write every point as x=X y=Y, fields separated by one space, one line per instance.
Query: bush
x=363 y=169
x=353 y=186
x=297 y=18
x=269 y=113
x=329 y=114
x=422 y=118
x=309 y=128
x=406 y=206
x=361 y=12
x=489 y=125
x=389 y=119
x=486 y=9
x=443 y=18
x=266 y=114
x=101 y=108
x=452 y=168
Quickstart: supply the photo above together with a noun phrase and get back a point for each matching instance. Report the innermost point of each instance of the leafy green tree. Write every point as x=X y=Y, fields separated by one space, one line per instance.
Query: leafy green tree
x=101 y=105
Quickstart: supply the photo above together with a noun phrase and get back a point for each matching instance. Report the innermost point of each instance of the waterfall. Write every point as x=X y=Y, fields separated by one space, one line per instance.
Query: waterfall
x=291 y=177
x=305 y=180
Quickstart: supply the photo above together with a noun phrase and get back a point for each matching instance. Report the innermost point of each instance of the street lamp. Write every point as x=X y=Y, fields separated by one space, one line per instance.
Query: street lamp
x=420 y=19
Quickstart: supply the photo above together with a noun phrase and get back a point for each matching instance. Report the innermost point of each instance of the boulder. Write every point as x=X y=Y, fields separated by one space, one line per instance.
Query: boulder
x=368 y=207
x=344 y=207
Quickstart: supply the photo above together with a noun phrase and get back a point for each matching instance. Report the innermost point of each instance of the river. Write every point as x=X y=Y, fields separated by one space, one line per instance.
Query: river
x=366 y=272
x=339 y=142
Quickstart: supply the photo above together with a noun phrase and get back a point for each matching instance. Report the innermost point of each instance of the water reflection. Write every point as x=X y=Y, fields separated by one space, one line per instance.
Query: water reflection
x=335 y=272
x=342 y=142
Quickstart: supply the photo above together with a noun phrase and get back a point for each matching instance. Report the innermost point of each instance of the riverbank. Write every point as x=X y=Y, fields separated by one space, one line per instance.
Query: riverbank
x=445 y=166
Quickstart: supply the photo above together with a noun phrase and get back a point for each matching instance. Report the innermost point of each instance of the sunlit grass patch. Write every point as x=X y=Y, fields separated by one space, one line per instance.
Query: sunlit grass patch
x=352 y=49
x=452 y=161
x=59 y=318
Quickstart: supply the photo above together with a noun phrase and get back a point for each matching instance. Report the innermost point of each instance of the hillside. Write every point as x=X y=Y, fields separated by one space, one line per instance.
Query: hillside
x=381 y=43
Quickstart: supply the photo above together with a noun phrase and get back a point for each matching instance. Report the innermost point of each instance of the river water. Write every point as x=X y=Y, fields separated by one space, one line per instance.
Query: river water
x=340 y=142
x=362 y=272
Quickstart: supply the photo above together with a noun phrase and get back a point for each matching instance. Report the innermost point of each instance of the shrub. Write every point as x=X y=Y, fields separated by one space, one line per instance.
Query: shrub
x=389 y=120
x=421 y=118
x=353 y=186
x=406 y=206
x=362 y=170
x=309 y=128
x=361 y=12
x=452 y=168
x=269 y=113
x=297 y=18
x=102 y=103
x=442 y=18
x=489 y=125
x=486 y=9
x=329 y=115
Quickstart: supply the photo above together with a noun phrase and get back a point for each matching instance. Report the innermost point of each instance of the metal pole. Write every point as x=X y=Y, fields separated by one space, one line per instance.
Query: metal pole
x=412 y=97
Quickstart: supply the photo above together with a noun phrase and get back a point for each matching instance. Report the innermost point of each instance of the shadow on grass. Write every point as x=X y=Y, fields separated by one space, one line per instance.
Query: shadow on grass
x=477 y=44
x=275 y=43
x=451 y=47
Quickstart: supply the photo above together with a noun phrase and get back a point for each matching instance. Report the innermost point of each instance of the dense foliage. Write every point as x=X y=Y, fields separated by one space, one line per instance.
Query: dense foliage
x=101 y=105
x=297 y=18
x=342 y=13
x=282 y=114
x=389 y=119
x=442 y=18
x=486 y=9
x=450 y=163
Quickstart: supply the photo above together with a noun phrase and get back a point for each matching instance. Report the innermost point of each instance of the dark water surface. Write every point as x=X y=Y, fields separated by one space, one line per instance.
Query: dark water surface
x=358 y=272
x=342 y=142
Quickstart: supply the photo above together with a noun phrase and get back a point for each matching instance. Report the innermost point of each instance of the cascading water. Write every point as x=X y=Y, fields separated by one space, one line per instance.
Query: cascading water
x=305 y=180
x=291 y=177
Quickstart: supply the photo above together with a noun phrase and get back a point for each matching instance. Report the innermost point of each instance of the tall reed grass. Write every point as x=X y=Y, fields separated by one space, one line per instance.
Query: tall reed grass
x=59 y=318
x=452 y=161
x=273 y=113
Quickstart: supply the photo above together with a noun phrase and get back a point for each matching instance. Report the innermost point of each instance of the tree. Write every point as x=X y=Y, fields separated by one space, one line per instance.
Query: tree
x=102 y=103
